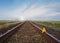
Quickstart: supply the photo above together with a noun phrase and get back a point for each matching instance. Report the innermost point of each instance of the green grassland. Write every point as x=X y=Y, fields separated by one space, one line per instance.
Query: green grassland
x=54 y=24
x=6 y=23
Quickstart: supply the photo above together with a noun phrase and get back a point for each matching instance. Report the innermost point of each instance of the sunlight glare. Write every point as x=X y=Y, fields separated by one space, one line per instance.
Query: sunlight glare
x=22 y=18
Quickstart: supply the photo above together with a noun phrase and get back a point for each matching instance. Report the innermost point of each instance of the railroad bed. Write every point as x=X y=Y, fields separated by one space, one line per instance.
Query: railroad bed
x=29 y=33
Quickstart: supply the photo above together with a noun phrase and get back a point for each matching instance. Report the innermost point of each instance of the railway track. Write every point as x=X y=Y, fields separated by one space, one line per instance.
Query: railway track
x=32 y=26
x=8 y=33
x=48 y=36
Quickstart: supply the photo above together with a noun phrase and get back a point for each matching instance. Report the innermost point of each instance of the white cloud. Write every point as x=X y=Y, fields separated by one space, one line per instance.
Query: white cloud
x=33 y=11
x=30 y=12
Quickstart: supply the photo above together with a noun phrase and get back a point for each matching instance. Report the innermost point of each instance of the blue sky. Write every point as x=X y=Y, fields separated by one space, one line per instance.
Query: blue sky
x=30 y=9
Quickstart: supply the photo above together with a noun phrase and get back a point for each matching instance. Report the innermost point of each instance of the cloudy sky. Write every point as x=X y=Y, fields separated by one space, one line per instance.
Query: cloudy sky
x=30 y=9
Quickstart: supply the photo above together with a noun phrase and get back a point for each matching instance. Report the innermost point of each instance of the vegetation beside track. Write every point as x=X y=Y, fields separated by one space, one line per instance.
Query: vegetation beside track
x=5 y=24
x=52 y=27
x=54 y=24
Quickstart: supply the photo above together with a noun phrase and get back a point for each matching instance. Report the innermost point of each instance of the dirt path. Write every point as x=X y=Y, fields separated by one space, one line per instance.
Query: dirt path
x=27 y=34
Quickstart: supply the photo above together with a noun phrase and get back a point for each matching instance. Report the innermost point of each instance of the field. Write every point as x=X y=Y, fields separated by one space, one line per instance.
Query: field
x=53 y=27
x=53 y=24
x=5 y=24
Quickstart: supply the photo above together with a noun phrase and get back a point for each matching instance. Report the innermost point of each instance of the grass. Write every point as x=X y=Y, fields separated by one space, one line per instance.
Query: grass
x=52 y=27
x=4 y=24
x=53 y=24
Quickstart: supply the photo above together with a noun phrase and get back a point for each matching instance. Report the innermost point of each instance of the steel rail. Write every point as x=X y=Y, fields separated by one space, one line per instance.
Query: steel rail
x=10 y=32
x=50 y=38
